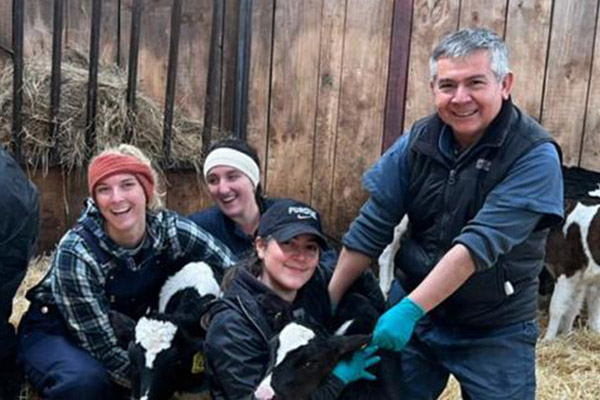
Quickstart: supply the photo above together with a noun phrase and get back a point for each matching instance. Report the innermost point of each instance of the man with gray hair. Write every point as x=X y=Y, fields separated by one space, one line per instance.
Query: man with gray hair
x=481 y=184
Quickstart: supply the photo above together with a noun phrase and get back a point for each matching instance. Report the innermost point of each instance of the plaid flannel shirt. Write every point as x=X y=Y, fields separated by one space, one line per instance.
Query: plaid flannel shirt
x=76 y=281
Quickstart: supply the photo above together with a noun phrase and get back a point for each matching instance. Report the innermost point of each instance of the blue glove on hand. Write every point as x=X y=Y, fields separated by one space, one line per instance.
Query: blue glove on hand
x=395 y=326
x=355 y=368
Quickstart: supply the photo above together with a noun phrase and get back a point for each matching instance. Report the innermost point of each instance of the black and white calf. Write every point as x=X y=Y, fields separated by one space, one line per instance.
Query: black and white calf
x=573 y=254
x=166 y=355
x=304 y=357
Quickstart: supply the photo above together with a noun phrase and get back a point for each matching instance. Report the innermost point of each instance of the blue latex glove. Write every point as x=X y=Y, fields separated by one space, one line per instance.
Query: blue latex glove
x=355 y=368
x=395 y=326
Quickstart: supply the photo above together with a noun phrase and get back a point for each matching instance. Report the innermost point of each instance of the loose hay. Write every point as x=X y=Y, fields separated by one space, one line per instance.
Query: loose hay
x=36 y=271
x=567 y=368
x=112 y=117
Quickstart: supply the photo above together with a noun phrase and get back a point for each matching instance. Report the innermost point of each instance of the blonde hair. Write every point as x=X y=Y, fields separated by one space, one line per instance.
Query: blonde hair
x=156 y=200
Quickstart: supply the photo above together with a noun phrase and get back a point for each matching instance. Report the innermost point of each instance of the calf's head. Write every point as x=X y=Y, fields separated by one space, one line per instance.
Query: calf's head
x=303 y=359
x=165 y=358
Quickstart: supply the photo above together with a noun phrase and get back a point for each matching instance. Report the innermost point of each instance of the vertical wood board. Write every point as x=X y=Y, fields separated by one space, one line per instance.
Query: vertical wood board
x=398 y=72
x=293 y=98
x=431 y=21
x=260 y=78
x=78 y=25
x=489 y=14
x=5 y=33
x=154 y=46
x=228 y=72
x=186 y=192
x=570 y=58
x=51 y=191
x=37 y=30
x=362 y=103
x=590 y=154
x=330 y=74
x=527 y=34
x=76 y=191
x=192 y=65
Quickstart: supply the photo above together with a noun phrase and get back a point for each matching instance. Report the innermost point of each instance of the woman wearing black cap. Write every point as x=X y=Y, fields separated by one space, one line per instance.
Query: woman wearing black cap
x=282 y=281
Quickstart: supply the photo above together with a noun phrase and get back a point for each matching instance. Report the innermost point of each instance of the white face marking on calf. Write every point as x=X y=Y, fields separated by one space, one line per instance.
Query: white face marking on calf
x=595 y=193
x=292 y=337
x=154 y=336
x=197 y=275
x=265 y=390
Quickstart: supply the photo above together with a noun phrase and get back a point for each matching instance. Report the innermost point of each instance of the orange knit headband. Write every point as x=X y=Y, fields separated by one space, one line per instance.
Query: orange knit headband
x=106 y=165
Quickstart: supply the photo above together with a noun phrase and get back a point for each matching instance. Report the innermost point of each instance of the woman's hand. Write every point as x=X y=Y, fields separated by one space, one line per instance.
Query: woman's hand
x=355 y=368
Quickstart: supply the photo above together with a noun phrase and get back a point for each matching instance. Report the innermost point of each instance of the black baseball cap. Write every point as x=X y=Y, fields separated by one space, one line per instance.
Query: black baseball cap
x=287 y=218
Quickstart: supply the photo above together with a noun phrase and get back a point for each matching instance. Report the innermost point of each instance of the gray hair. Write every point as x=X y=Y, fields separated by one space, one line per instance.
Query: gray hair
x=466 y=41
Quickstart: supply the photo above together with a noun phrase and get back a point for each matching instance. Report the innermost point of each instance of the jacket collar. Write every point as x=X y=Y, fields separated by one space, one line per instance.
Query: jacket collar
x=265 y=309
x=494 y=135
x=436 y=141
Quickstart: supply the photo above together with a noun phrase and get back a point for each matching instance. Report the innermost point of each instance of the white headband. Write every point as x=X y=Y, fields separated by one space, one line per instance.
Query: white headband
x=226 y=156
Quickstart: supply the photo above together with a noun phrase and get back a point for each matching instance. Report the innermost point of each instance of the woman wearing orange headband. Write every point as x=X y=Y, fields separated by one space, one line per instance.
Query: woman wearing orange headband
x=112 y=262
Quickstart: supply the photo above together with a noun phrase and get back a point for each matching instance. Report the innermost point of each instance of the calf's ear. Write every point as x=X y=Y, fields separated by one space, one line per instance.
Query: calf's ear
x=348 y=344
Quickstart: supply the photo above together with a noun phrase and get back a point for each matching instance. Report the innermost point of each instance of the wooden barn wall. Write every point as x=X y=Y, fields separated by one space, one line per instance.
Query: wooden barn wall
x=319 y=99
x=554 y=52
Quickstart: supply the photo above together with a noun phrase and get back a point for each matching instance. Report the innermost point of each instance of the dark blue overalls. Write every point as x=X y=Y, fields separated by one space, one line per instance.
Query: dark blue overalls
x=56 y=366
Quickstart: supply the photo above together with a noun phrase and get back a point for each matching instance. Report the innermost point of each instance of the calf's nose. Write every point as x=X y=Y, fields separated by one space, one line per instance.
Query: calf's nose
x=264 y=392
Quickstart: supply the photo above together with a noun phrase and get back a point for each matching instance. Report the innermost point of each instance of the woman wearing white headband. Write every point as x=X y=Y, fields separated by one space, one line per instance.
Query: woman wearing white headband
x=232 y=176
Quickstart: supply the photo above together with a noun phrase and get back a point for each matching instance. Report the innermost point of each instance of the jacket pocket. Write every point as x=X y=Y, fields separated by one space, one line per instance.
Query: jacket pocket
x=483 y=287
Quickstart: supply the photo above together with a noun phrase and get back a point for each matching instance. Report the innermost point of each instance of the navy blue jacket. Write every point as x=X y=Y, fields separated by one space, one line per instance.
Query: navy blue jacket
x=223 y=228
x=493 y=198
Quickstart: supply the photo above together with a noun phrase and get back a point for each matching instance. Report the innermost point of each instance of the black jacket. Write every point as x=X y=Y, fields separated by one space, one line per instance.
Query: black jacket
x=19 y=227
x=250 y=315
x=444 y=195
x=246 y=319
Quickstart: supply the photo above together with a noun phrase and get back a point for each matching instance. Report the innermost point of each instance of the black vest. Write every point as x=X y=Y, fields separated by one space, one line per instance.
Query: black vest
x=444 y=194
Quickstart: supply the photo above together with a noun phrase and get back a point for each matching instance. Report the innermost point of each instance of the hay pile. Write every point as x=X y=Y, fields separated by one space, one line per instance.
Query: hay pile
x=567 y=368
x=112 y=120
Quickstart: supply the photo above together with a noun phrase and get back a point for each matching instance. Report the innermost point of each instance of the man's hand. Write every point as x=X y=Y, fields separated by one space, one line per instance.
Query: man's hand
x=395 y=326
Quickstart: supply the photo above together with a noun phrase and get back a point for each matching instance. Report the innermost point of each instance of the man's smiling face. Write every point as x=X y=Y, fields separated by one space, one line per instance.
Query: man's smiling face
x=468 y=96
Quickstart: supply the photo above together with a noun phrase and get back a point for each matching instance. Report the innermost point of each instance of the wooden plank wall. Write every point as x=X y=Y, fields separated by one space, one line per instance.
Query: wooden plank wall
x=5 y=32
x=553 y=47
x=319 y=77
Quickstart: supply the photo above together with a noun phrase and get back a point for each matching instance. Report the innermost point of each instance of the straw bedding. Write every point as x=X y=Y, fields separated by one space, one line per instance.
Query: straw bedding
x=567 y=368
x=112 y=117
